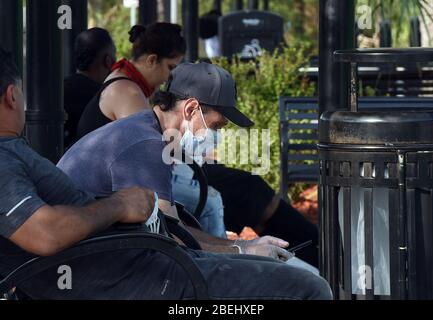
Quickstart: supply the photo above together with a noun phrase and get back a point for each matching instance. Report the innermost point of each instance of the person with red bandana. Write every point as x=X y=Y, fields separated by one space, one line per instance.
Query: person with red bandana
x=157 y=50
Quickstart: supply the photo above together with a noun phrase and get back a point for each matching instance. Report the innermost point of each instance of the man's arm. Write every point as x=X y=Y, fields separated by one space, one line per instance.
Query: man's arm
x=207 y=241
x=53 y=228
x=213 y=244
x=265 y=246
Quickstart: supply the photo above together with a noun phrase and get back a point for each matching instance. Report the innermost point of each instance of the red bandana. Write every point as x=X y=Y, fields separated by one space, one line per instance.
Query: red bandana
x=132 y=73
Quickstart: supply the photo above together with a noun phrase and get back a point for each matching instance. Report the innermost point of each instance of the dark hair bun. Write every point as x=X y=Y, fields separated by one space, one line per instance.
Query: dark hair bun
x=163 y=39
x=136 y=32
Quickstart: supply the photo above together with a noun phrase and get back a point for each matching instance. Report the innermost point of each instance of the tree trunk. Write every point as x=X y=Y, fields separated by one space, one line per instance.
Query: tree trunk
x=427 y=28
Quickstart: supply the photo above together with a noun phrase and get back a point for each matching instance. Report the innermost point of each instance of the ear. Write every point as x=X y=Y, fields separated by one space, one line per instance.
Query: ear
x=152 y=60
x=191 y=106
x=108 y=62
x=10 y=97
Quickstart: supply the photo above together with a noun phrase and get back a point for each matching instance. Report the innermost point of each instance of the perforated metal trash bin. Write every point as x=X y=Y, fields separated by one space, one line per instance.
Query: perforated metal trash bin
x=376 y=190
x=376 y=201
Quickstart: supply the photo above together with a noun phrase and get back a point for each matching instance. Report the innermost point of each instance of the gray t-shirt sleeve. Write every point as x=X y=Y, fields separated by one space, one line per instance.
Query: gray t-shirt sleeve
x=18 y=197
x=141 y=165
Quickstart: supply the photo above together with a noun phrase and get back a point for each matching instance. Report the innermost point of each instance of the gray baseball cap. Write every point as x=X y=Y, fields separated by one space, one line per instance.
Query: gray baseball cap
x=211 y=85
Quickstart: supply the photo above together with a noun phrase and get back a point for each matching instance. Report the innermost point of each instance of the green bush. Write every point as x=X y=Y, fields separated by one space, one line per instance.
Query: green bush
x=259 y=85
x=113 y=16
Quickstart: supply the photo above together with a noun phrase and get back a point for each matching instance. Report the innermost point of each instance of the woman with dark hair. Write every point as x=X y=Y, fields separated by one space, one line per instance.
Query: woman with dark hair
x=157 y=49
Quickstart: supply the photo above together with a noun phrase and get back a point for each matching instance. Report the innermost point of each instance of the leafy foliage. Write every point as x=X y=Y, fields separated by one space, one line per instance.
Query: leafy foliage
x=113 y=16
x=399 y=13
x=259 y=85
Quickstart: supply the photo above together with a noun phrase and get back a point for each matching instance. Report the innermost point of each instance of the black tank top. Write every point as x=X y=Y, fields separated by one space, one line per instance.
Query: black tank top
x=92 y=117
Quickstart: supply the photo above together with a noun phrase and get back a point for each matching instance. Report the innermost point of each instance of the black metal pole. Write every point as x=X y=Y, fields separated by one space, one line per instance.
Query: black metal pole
x=415 y=33
x=336 y=31
x=238 y=5
x=45 y=115
x=79 y=24
x=253 y=4
x=190 y=28
x=266 y=5
x=11 y=29
x=167 y=10
x=217 y=5
x=385 y=34
x=148 y=11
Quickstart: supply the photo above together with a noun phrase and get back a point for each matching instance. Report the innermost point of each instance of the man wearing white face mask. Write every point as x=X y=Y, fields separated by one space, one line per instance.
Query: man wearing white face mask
x=197 y=146
x=186 y=190
x=130 y=151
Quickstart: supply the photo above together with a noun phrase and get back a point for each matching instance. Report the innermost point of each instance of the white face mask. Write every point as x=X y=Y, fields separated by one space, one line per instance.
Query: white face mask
x=196 y=147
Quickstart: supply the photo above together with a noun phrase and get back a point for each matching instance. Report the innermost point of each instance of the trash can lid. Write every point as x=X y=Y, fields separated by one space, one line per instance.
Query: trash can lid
x=376 y=128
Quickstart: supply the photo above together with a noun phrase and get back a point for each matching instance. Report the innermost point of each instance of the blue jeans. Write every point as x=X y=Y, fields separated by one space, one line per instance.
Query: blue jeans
x=186 y=191
x=298 y=263
x=236 y=276
x=146 y=274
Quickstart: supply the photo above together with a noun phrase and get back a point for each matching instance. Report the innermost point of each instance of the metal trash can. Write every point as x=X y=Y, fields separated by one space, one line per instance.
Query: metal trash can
x=376 y=194
x=247 y=33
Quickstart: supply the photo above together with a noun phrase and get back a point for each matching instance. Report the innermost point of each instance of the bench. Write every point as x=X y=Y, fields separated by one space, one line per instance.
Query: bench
x=117 y=238
x=299 y=133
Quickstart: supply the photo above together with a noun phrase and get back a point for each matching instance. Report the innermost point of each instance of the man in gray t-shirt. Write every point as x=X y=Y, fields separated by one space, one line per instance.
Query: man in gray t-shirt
x=121 y=154
x=28 y=182
x=42 y=212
